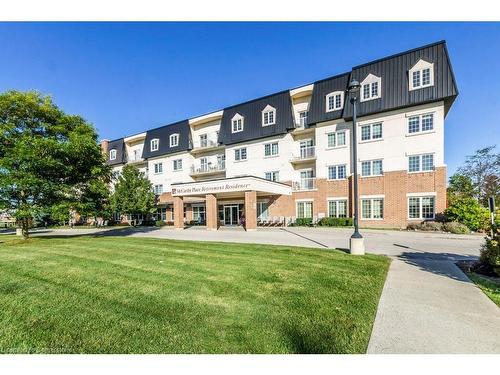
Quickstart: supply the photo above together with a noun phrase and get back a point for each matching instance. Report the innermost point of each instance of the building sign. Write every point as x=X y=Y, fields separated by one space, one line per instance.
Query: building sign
x=230 y=185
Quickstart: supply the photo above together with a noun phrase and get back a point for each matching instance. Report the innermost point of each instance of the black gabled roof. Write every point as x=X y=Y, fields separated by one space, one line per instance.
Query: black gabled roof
x=395 y=93
x=163 y=134
x=252 y=114
x=119 y=146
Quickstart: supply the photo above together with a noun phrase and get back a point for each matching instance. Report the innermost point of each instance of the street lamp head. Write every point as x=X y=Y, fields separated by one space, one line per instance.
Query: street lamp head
x=354 y=87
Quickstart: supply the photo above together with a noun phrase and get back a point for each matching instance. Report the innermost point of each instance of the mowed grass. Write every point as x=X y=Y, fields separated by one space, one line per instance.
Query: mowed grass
x=488 y=286
x=139 y=295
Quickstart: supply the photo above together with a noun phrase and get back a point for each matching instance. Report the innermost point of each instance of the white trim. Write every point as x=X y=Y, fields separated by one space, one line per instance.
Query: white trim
x=420 y=112
x=420 y=66
x=112 y=152
x=155 y=141
x=420 y=217
x=334 y=95
x=269 y=109
x=304 y=200
x=370 y=80
x=428 y=194
x=372 y=196
x=336 y=198
x=236 y=117
x=172 y=137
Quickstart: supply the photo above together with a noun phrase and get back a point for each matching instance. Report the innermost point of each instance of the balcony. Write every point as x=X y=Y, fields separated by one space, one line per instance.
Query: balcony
x=203 y=145
x=306 y=154
x=304 y=184
x=135 y=160
x=207 y=169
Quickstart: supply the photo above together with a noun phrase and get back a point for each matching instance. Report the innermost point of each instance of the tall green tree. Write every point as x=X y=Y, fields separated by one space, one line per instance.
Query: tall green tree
x=133 y=193
x=47 y=157
x=483 y=168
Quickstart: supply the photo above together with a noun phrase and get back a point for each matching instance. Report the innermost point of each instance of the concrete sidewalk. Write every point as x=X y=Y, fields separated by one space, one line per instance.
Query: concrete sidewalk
x=427 y=306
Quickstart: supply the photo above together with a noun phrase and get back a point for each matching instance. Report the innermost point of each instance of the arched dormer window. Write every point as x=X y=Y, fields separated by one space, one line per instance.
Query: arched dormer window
x=371 y=88
x=154 y=144
x=237 y=123
x=421 y=75
x=334 y=101
x=174 y=140
x=268 y=116
x=112 y=154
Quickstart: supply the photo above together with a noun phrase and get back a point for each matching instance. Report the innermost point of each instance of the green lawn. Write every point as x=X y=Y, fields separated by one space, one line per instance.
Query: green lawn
x=138 y=295
x=488 y=286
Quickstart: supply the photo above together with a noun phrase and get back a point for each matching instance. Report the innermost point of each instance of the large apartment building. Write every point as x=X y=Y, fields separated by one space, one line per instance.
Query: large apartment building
x=288 y=155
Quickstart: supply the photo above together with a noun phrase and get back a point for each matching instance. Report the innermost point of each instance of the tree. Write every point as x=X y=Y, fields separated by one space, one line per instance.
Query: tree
x=47 y=157
x=483 y=168
x=133 y=194
x=468 y=211
x=461 y=185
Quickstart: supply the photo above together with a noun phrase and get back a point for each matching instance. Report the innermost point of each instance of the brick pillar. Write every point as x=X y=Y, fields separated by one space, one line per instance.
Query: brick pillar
x=178 y=213
x=189 y=213
x=211 y=212
x=250 y=210
x=104 y=147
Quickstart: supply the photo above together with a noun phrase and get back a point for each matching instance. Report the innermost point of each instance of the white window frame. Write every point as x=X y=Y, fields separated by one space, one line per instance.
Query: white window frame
x=371 y=198
x=371 y=125
x=371 y=168
x=158 y=168
x=237 y=117
x=272 y=150
x=334 y=96
x=337 y=200
x=158 y=189
x=154 y=145
x=370 y=80
x=419 y=196
x=112 y=154
x=269 y=109
x=303 y=118
x=275 y=176
x=420 y=116
x=174 y=140
x=328 y=147
x=175 y=163
x=420 y=66
x=238 y=151
x=311 y=201
x=336 y=166
x=420 y=163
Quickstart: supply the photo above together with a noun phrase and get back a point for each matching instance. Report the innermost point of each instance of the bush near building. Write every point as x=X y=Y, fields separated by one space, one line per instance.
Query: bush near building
x=490 y=253
x=335 y=222
x=468 y=211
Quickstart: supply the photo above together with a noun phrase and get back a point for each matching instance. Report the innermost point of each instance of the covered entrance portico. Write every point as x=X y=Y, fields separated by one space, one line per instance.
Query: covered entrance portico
x=229 y=201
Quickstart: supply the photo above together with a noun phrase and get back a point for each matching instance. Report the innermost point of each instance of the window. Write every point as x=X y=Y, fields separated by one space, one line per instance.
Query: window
x=303 y=118
x=158 y=167
x=177 y=164
x=199 y=214
x=158 y=189
x=371 y=132
x=112 y=154
x=203 y=140
x=371 y=87
x=334 y=101
x=272 y=176
x=262 y=211
x=337 y=172
x=268 y=116
x=371 y=168
x=154 y=144
x=136 y=155
x=372 y=208
x=421 y=208
x=337 y=208
x=304 y=209
x=237 y=123
x=421 y=163
x=174 y=140
x=240 y=154
x=421 y=123
x=271 y=149
x=421 y=75
x=336 y=139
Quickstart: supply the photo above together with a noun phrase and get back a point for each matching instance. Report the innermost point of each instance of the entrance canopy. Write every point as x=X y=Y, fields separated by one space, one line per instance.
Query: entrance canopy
x=230 y=185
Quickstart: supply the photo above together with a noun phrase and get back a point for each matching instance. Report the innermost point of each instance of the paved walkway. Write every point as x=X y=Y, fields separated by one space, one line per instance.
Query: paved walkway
x=427 y=306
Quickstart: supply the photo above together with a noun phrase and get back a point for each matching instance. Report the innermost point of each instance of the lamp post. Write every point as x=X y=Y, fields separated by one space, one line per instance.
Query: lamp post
x=357 y=242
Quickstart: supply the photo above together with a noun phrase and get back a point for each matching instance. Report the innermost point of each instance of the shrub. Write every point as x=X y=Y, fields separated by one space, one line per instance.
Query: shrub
x=490 y=253
x=335 y=222
x=469 y=212
x=429 y=226
x=456 y=228
x=160 y=223
x=303 y=221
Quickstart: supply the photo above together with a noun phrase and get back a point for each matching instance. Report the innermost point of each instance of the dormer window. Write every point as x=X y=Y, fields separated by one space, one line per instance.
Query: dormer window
x=112 y=154
x=371 y=88
x=154 y=144
x=421 y=75
x=174 y=140
x=237 y=123
x=268 y=116
x=334 y=101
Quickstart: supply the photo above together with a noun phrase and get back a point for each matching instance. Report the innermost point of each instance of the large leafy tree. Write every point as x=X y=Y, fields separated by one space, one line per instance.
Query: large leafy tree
x=133 y=193
x=483 y=168
x=47 y=157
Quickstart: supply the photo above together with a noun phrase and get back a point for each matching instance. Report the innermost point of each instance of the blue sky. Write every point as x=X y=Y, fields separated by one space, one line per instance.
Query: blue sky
x=129 y=77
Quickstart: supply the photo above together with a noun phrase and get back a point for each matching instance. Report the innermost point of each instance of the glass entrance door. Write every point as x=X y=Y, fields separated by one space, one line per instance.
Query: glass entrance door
x=231 y=215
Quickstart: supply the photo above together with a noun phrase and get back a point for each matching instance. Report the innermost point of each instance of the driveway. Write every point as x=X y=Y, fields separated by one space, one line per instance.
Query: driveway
x=427 y=305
